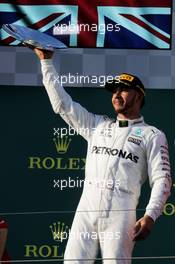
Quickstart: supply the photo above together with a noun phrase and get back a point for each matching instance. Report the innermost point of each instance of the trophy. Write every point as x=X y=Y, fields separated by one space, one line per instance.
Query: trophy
x=35 y=38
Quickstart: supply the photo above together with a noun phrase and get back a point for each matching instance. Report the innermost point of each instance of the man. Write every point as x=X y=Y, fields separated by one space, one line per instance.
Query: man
x=125 y=150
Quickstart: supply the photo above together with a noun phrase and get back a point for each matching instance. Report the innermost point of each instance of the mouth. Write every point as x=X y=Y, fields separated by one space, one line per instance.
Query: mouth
x=118 y=101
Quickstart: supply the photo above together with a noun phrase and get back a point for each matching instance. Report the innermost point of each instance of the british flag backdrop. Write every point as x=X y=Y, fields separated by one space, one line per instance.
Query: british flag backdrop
x=140 y=24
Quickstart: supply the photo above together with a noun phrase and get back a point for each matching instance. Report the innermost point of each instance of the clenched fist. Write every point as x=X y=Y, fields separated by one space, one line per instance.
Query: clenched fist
x=143 y=228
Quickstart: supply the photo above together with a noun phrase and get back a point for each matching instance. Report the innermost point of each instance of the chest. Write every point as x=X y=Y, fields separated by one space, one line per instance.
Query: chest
x=127 y=143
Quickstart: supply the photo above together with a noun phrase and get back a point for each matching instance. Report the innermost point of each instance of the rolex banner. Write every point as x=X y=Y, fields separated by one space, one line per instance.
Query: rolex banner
x=42 y=173
x=120 y=24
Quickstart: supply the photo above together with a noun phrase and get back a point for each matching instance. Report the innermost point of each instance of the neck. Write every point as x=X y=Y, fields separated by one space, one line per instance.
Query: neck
x=128 y=116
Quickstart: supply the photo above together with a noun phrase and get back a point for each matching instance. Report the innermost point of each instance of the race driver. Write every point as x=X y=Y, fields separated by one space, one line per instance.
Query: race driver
x=126 y=150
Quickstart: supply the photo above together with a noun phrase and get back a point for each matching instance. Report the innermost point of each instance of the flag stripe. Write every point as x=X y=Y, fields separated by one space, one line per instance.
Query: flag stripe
x=130 y=15
x=44 y=21
x=144 y=25
x=7 y=41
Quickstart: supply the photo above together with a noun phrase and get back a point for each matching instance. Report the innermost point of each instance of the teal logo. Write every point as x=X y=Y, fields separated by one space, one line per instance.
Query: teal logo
x=138 y=131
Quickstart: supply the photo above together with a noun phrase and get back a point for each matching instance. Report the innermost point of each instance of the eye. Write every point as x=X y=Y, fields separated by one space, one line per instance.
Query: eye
x=121 y=89
x=124 y=89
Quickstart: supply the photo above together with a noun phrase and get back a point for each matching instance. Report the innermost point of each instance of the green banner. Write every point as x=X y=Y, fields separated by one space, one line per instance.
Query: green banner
x=42 y=174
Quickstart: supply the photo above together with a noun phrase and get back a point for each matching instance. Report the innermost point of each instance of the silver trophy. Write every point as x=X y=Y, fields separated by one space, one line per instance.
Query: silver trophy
x=33 y=37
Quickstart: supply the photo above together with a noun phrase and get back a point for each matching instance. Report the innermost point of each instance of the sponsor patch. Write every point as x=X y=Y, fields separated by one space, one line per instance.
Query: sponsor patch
x=126 y=77
x=106 y=132
x=134 y=140
x=115 y=152
x=138 y=131
x=164 y=147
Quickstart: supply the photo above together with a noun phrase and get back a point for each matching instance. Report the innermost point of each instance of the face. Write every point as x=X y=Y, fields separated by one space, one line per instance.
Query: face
x=125 y=100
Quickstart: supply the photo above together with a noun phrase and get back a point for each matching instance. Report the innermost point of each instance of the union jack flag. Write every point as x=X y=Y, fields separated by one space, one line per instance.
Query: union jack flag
x=133 y=23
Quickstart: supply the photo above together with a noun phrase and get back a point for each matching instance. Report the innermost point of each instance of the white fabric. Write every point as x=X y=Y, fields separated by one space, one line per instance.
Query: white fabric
x=119 y=159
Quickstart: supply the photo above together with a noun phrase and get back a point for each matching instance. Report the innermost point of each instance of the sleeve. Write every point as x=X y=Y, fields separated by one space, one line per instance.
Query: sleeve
x=73 y=113
x=159 y=174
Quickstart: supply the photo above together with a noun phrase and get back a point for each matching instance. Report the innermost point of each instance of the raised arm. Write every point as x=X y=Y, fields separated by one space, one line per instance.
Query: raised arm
x=72 y=113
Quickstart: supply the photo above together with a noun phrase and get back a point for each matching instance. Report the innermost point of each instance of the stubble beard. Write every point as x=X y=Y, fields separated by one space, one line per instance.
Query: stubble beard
x=124 y=109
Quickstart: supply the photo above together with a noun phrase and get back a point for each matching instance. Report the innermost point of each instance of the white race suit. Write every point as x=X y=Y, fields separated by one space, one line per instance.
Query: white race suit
x=120 y=156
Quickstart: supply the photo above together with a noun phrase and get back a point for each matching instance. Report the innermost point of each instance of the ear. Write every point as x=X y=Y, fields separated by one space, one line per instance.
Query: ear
x=139 y=97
